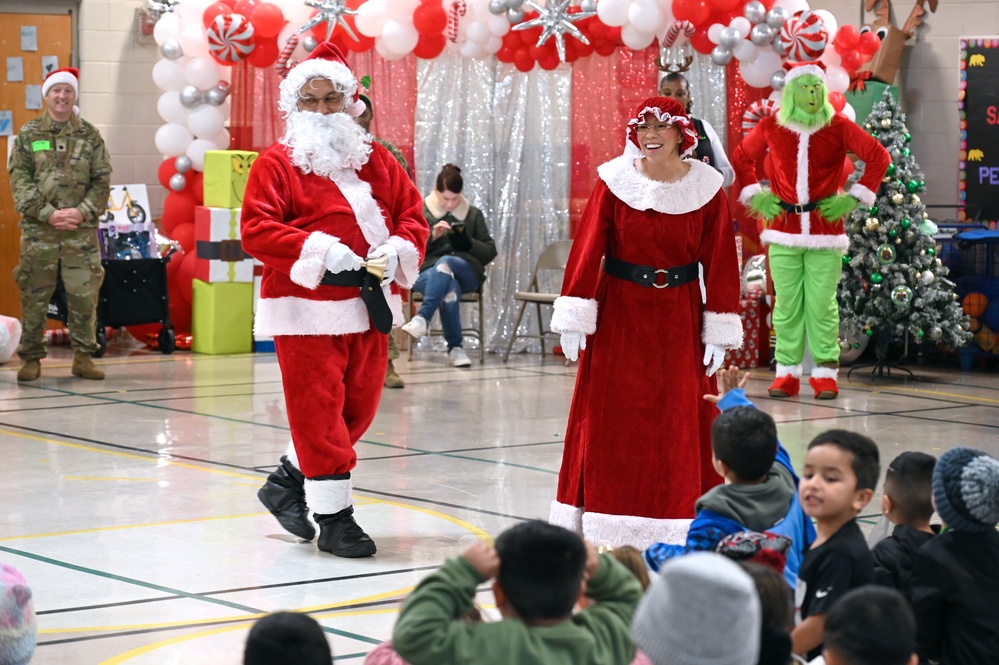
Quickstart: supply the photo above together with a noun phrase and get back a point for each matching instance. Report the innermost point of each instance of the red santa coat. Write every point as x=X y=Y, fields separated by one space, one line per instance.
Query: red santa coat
x=637 y=450
x=808 y=166
x=291 y=219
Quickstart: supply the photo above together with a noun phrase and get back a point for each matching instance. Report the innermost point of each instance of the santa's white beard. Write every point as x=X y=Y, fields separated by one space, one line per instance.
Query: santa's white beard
x=323 y=144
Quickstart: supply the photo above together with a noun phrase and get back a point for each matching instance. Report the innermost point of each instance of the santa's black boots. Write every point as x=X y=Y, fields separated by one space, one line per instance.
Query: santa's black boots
x=340 y=535
x=284 y=496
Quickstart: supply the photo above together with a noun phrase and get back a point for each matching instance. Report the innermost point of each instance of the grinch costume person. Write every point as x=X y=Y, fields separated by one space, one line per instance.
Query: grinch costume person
x=803 y=213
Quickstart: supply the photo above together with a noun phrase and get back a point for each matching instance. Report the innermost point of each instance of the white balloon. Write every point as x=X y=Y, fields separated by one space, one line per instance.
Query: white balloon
x=498 y=25
x=221 y=139
x=401 y=9
x=470 y=49
x=202 y=72
x=745 y=51
x=477 y=31
x=169 y=74
x=402 y=36
x=645 y=15
x=830 y=58
x=190 y=12
x=757 y=73
x=196 y=151
x=286 y=32
x=837 y=80
x=742 y=24
x=205 y=121
x=776 y=96
x=634 y=38
x=613 y=12
x=849 y=112
x=383 y=49
x=170 y=108
x=830 y=22
x=792 y=6
x=172 y=139
x=493 y=44
x=295 y=12
x=193 y=40
x=167 y=28
x=714 y=32
x=371 y=17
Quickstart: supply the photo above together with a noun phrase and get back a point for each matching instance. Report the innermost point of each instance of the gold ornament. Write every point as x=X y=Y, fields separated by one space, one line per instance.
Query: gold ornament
x=914 y=199
x=886 y=123
x=897 y=198
x=872 y=224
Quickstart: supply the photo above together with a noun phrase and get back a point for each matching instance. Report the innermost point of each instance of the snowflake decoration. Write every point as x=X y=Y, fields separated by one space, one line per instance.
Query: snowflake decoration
x=331 y=12
x=556 y=21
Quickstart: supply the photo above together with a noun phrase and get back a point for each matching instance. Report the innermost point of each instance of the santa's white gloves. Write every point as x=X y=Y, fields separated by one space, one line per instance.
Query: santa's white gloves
x=572 y=343
x=339 y=258
x=390 y=253
x=714 y=357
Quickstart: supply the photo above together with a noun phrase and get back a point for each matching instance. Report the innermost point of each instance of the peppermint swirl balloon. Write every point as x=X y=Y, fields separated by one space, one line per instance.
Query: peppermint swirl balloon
x=804 y=37
x=230 y=37
x=757 y=111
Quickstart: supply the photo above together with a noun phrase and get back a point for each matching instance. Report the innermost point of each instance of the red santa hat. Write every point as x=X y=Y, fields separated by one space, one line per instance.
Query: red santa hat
x=70 y=75
x=796 y=69
x=665 y=109
x=326 y=61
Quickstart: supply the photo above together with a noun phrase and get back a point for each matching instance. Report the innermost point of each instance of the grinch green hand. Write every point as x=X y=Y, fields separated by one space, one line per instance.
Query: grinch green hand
x=837 y=206
x=765 y=205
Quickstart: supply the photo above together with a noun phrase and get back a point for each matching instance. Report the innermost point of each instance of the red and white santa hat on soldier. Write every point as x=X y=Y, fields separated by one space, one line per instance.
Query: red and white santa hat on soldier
x=68 y=75
x=326 y=61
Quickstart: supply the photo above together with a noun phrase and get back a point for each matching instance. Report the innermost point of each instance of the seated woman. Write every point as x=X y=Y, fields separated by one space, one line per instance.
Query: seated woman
x=709 y=147
x=458 y=251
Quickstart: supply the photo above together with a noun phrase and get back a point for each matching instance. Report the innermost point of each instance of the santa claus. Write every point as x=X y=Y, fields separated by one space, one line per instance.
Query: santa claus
x=803 y=212
x=316 y=202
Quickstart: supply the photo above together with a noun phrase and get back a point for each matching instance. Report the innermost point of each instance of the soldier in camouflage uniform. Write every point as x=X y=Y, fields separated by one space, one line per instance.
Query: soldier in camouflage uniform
x=60 y=174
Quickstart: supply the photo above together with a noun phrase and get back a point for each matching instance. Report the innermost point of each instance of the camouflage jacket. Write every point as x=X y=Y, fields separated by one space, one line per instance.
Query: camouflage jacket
x=52 y=168
x=399 y=157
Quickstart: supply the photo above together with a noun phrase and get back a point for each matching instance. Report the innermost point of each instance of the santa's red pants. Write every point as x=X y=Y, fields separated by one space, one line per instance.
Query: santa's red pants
x=332 y=385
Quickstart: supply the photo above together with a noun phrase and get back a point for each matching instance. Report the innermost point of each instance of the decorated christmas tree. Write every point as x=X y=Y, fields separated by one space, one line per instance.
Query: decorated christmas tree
x=893 y=284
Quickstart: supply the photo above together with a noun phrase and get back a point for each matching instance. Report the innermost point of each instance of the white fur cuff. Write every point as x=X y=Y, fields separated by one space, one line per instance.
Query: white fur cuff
x=825 y=373
x=788 y=370
x=748 y=191
x=569 y=517
x=327 y=496
x=309 y=269
x=574 y=315
x=409 y=261
x=639 y=532
x=862 y=194
x=292 y=455
x=724 y=330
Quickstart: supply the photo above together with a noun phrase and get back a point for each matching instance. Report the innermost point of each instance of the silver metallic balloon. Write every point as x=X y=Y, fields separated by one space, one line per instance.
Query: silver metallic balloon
x=777 y=17
x=171 y=50
x=514 y=4
x=754 y=275
x=190 y=96
x=588 y=5
x=215 y=97
x=778 y=44
x=728 y=37
x=777 y=80
x=183 y=164
x=497 y=7
x=178 y=182
x=309 y=43
x=761 y=34
x=720 y=55
x=755 y=11
x=515 y=16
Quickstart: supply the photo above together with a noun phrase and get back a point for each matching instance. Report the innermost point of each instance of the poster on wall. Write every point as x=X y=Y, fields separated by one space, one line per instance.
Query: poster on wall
x=978 y=102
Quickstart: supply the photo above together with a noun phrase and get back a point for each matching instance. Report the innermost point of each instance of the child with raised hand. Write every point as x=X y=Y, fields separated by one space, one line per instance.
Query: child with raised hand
x=540 y=571
x=907 y=502
x=760 y=490
x=837 y=481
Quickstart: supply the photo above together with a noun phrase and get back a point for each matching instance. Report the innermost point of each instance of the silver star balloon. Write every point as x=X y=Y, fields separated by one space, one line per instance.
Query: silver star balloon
x=159 y=7
x=555 y=20
x=331 y=12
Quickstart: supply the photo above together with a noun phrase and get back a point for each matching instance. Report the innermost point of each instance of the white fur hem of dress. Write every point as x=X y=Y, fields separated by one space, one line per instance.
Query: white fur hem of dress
x=619 y=530
x=724 y=330
x=569 y=517
x=301 y=316
x=573 y=314
x=689 y=193
x=326 y=497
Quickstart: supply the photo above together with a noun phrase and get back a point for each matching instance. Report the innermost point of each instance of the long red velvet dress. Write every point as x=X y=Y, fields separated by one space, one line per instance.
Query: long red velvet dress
x=637 y=447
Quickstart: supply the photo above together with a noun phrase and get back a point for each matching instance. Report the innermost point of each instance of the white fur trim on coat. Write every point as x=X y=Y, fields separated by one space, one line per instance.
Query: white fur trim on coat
x=748 y=192
x=301 y=316
x=409 y=261
x=639 y=532
x=689 y=193
x=573 y=314
x=788 y=370
x=862 y=194
x=825 y=373
x=292 y=455
x=310 y=267
x=801 y=183
x=569 y=517
x=327 y=496
x=839 y=243
x=724 y=330
x=369 y=215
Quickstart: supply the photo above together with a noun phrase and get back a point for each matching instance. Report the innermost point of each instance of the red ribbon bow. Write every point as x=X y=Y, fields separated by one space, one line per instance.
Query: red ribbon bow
x=857 y=82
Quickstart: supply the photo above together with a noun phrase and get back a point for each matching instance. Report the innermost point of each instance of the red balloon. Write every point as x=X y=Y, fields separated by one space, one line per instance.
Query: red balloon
x=524 y=65
x=265 y=52
x=838 y=100
x=584 y=49
x=245 y=7
x=851 y=61
x=177 y=209
x=196 y=183
x=364 y=42
x=868 y=43
x=505 y=54
x=184 y=282
x=165 y=171
x=430 y=19
x=605 y=49
x=231 y=4
x=846 y=37
x=214 y=10
x=267 y=20
x=430 y=46
x=180 y=310
x=184 y=234
x=549 y=61
x=173 y=265
x=141 y=332
x=695 y=11
x=701 y=43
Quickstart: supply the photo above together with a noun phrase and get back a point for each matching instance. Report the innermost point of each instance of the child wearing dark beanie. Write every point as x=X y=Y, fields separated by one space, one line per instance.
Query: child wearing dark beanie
x=955 y=589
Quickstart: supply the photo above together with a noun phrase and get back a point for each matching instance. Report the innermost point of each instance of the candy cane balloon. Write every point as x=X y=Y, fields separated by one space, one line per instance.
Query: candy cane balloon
x=686 y=27
x=457 y=10
x=281 y=66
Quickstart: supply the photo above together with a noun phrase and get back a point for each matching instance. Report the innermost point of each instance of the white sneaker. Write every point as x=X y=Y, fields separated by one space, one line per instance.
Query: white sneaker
x=417 y=327
x=457 y=358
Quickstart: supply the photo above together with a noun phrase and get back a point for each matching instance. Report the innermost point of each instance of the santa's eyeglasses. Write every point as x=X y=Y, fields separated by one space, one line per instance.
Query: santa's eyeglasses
x=310 y=102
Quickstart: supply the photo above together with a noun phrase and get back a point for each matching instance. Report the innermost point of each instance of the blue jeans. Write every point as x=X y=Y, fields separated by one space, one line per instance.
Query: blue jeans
x=442 y=287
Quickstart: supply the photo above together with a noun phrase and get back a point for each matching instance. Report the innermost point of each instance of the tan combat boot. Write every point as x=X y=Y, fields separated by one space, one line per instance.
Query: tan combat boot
x=85 y=368
x=393 y=380
x=30 y=370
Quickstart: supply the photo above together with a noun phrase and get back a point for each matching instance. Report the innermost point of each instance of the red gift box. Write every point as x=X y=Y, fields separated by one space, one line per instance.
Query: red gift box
x=755 y=351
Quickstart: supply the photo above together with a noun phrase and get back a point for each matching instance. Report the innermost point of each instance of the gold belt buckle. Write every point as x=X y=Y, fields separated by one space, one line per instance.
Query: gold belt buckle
x=799 y=208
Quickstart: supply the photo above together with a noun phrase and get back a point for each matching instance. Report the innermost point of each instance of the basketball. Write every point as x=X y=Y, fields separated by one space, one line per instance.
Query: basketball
x=974 y=304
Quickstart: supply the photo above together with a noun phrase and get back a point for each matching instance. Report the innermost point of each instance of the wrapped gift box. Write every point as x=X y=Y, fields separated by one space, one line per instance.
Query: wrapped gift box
x=220 y=255
x=755 y=351
x=222 y=317
x=226 y=172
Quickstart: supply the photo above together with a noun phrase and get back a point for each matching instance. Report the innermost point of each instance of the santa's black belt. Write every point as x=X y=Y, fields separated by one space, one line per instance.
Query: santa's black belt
x=799 y=208
x=371 y=294
x=649 y=276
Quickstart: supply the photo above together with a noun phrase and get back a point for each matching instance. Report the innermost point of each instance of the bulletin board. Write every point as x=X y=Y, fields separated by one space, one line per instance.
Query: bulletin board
x=978 y=101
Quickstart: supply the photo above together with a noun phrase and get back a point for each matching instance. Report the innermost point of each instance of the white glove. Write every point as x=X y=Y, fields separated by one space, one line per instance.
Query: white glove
x=714 y=357
x=339 y=258
x=572 y=343
x=392 y=255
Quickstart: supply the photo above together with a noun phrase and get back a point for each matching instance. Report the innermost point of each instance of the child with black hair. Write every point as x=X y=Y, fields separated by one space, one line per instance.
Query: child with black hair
x=908 y=503
x=540 y=571
x=777 y=613
x=287 y=637
x=760 y=490
x=838 y=479
x=870 y=625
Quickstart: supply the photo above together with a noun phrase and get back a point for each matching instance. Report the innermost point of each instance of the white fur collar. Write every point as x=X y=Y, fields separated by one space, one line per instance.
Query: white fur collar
x=685 y=195
x=459 y=213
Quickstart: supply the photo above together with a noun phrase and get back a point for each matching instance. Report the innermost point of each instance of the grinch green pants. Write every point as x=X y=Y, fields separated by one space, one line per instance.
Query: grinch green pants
x=805 y=302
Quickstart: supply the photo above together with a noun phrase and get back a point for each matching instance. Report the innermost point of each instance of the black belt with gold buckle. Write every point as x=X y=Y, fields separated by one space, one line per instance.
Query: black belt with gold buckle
x=371 y=294
x=799 y=208
x=659 y=278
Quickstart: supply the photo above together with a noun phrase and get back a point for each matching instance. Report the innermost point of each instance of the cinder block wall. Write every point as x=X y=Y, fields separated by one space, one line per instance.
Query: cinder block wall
x=118 y=94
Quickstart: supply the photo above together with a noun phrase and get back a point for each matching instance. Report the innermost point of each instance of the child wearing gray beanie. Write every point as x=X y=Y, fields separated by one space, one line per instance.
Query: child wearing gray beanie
x=17 y=618
x=955 y=589
x=703 y=610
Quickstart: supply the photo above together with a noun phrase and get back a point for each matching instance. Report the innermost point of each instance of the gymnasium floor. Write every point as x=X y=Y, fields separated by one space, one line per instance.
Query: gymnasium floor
x=130 y=504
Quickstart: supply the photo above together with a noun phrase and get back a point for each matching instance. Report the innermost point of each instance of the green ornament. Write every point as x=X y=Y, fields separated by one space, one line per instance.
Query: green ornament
x=905 y=223
x=922 y=184
x=931 y=251
x=890 y=170
x=856 y=345
x=912 y=186
x=873 y=210
x=906 y=152
x=908 y=137
x=921 y=334
x=847 y=259
x=892 y=233
x=877 y=278
x=869 y=332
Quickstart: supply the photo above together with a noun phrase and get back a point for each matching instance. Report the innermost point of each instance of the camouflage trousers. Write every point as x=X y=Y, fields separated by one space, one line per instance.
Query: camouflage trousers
x=42 y=248
x=393 y=347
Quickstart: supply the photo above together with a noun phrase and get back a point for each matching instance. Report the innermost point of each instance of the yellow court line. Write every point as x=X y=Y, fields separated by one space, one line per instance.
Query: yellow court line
x=940 y=393
x=121 y=527
x=109 y=478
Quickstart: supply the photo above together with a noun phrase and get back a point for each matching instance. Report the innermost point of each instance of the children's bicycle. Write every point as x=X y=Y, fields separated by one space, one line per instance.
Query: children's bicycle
x=135 y=212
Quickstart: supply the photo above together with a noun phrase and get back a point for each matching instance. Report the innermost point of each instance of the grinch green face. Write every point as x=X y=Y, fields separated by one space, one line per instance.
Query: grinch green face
x=809 y=93
x=804 y=103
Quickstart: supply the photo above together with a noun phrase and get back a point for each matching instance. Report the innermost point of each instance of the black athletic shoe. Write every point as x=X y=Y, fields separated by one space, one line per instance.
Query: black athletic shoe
x=284 y=495
x=340 y=535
